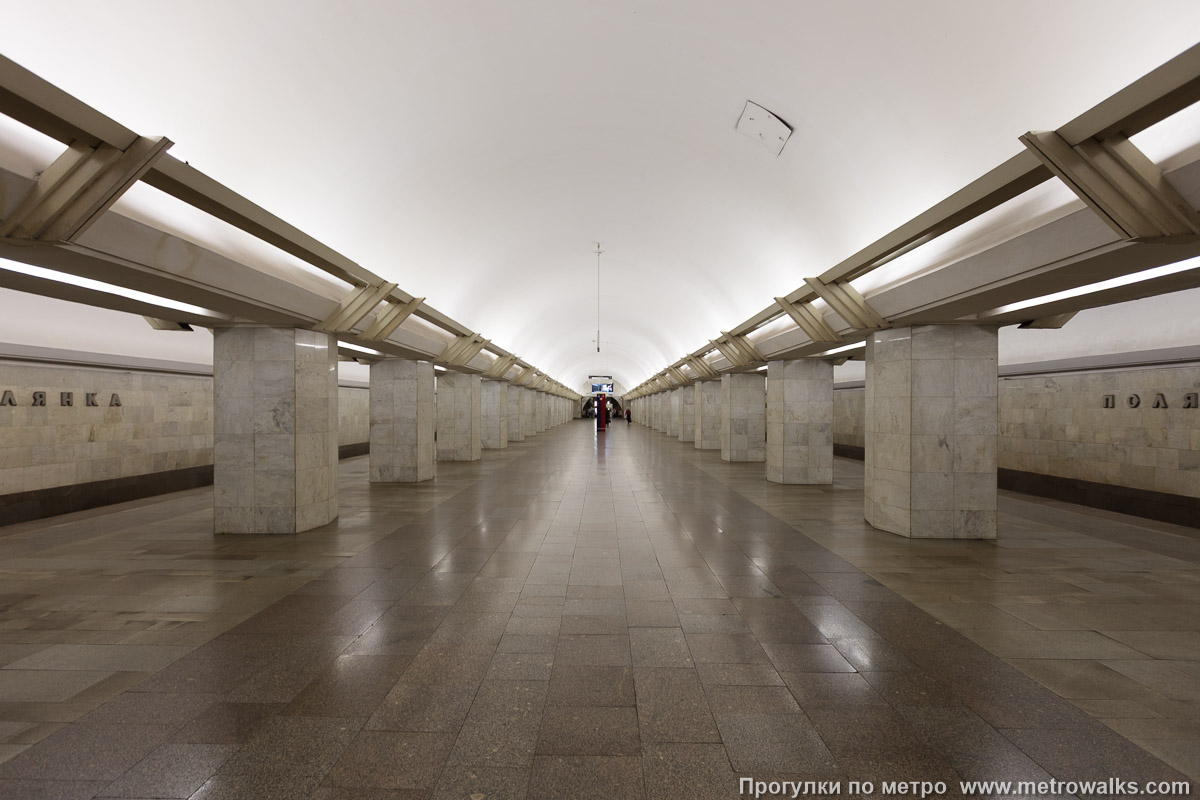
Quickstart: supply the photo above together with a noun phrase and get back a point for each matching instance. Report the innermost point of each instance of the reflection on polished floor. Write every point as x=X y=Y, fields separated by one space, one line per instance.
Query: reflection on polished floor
x=574 y=617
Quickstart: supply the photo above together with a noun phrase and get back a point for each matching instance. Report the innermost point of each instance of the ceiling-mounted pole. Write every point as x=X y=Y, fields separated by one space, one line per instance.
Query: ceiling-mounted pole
x=598 y=252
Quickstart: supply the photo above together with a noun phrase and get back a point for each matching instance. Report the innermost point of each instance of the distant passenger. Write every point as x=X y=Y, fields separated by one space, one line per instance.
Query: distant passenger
x=628 y=417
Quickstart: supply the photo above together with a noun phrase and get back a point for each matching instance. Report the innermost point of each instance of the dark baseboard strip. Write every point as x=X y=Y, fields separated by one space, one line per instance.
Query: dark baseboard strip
x=1174 y=508
x=352 y=450
x=850 y=451
x=42 y=503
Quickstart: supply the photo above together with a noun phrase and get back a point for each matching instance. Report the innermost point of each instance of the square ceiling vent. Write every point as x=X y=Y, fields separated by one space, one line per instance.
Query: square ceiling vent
x=758 y=123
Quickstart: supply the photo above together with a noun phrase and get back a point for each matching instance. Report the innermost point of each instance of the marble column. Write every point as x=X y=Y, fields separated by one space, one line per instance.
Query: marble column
x=800 y=421
x=275 y=430
x=516 y=414
x=662 y=416
x=931 y=425
x=743 y=417
x=673 y=414
x=402 y=421
x=708 y=415
x=493 y=414
x=528 y=420
x=459 y=434
x=687 y=413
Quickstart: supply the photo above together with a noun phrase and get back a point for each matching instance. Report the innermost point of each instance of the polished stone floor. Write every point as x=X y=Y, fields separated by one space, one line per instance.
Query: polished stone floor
x=578 y=617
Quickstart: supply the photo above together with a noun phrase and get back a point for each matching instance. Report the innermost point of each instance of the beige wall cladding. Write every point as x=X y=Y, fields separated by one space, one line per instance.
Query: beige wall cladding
x=458 y=417
x=849 y=414
x=931 y=422
x=354 y=415
x=800 y=421
x=164 y=423
x=687 y=413
x=707 y=423
x=1058 y=425
x=743 y=417
x=402 y=421
x=275 y=426
x=493 y=414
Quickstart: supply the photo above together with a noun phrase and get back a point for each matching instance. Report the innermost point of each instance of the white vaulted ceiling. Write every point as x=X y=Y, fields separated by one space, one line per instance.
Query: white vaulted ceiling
x=473 y=152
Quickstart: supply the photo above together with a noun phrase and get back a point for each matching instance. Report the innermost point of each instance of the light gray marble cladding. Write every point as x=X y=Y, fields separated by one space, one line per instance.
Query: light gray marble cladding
x=675 y=410
x=275 y=430
x=931 y=423
x=354 y=415
x=708 y=415
x=662 y=412
x=402 y=421
x=743 y=417
x=459 y=435
x=800 y=421
x=516 y=413
x=493 y=412
x=687 y=413
x=529 y=412
x=848 y=416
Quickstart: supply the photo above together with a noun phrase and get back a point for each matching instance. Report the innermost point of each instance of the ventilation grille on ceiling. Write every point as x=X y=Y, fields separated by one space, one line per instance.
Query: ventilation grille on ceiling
x=760 y=124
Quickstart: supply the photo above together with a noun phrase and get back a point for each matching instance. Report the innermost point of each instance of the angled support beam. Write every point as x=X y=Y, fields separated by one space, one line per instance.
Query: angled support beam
x=462 y=350
x=1052 y=322
x=78 y=187
x=1124 y=187
x=387 y=321
x=700 y=368
x=809 y=320
x=500 y=367
x=734 y=356
x=677 y=375
x=743 y=350
x=354 y=308
x=848 y=303
x=166 y=324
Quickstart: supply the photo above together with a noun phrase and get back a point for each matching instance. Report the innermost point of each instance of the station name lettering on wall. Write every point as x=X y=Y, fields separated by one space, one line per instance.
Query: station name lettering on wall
x=1190 y=400
x=64 y=398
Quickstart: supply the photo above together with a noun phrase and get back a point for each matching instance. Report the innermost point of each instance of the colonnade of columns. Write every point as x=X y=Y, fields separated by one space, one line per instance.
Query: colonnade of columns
x=931 y=426
x=275 y=432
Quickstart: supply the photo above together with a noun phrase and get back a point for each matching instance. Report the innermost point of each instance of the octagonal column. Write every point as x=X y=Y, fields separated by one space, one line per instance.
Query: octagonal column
x=402 y=421
x=459 y=434
x=931 y=424
x=800 y=421
x=743 y=417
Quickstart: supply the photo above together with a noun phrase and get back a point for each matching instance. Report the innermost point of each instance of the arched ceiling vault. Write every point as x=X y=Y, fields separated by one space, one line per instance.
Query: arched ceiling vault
x=473 y=152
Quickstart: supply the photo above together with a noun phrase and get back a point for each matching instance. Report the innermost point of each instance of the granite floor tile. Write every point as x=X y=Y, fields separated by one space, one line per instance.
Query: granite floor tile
x=590 y=686
x=171 y=771
x=423 y=708
x=593 y=651
x=501 y=729
x=589 y=731
x=775 y=743
x=227 y=723
x=490 y=783
x=672 y=707
x=85 y=753
x=395 y=760
x=659 y=647
x=587 y=778
x=699 y=771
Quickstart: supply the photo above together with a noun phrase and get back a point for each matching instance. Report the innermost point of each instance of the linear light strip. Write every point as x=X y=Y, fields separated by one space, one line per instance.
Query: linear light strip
x=1111 y=283
x=100 y=286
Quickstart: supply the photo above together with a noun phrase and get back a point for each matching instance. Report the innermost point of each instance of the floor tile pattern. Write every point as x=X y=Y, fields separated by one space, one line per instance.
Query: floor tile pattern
x=577 y=616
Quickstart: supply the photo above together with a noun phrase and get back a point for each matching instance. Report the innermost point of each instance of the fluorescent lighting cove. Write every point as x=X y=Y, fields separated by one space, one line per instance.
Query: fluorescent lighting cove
x=359 y=348
x=106 y=288
x=1111 y=283
x=844 y=349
